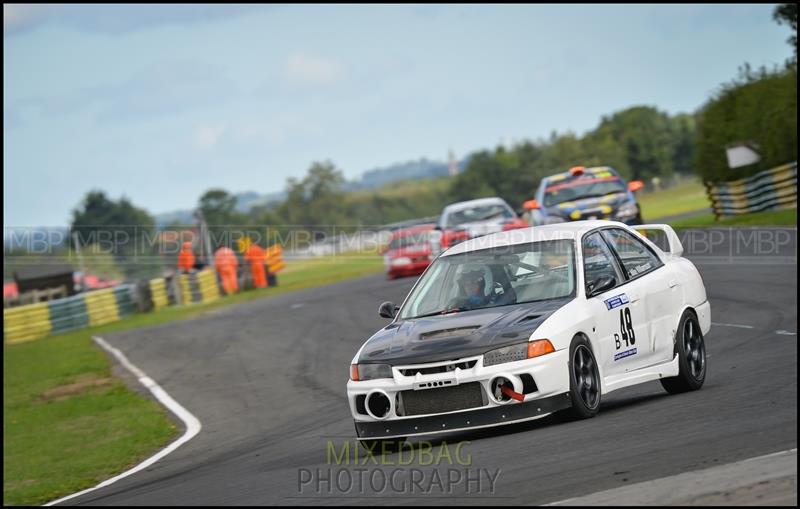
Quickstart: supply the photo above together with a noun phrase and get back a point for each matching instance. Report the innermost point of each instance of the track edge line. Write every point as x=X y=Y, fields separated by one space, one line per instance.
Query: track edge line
x=192 y=423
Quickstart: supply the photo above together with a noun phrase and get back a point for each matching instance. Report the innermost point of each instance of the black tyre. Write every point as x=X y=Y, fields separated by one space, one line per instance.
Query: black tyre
x=584 y=380
x=691 y=350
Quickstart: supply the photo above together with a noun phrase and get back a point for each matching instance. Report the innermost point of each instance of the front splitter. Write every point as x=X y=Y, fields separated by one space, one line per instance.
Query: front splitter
x=464 y=420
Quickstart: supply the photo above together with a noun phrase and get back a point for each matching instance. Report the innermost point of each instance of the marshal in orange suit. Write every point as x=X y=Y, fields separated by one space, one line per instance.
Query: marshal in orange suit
x=255 y=257
x=186 y=258
x=226 y=263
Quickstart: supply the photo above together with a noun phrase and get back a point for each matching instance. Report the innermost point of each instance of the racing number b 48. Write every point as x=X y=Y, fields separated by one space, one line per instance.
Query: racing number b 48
x=520 y=324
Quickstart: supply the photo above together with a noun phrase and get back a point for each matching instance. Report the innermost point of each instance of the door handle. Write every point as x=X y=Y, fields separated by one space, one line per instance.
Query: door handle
x=673 y=283
x=633 y=298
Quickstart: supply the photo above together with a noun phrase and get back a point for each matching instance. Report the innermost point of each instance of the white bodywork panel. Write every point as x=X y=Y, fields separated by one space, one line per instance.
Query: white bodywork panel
x=656 y=301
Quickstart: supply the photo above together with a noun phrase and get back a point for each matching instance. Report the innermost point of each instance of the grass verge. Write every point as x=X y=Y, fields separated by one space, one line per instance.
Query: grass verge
x=68 y=424
x=786 y=217
x=685 y=197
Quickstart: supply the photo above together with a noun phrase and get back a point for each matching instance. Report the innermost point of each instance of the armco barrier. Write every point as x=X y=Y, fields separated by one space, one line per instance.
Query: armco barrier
x=26 y=323
x=199 y=287
x=768 y=190
x=33 y=321
x=158 y=293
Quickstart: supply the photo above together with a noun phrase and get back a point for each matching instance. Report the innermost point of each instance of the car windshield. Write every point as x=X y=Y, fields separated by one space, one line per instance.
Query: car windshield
x=568 y=192
x=480 y=213
x=411 y=239
x=494 y=277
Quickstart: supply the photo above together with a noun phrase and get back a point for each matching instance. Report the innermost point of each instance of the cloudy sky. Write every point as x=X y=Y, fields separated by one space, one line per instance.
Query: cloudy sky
x=161 y=102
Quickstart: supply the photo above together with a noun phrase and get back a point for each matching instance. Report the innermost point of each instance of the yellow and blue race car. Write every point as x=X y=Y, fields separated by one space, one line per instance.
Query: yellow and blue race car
x=585 y=193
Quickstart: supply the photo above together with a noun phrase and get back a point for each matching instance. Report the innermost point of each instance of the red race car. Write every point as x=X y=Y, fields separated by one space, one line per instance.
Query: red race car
x=410 y=251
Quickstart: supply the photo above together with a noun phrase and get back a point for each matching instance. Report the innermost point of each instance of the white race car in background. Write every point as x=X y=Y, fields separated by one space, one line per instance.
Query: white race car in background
x=517 y=325
x=480 y=217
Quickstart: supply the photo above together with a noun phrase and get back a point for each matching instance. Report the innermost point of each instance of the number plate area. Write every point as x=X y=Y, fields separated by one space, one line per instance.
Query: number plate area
x=421 y=386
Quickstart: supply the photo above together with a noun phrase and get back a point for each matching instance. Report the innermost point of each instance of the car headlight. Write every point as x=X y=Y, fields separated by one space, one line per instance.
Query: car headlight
x=403 y=260
x=627 y=210
x=518 y=352
x=361 y=372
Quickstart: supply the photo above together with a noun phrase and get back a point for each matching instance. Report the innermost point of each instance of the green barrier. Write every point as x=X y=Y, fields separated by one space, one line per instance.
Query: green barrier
x=68 y=314
x=34 y=321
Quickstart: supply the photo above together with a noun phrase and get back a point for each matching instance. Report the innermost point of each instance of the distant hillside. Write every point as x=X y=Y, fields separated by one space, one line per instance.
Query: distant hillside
x=411 y=170
x=371 y=179
x=244 y=202
x=247 y=200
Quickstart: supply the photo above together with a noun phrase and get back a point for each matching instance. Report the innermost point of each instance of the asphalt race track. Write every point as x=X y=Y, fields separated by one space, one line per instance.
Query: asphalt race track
x=267 y=381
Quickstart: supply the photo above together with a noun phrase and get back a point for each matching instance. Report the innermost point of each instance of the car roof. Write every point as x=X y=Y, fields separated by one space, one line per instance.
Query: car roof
x=560 y=231
x=567 y=176
x=453 y=207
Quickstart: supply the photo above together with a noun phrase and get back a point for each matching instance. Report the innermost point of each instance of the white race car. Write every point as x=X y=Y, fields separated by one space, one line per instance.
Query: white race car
x=517 y=325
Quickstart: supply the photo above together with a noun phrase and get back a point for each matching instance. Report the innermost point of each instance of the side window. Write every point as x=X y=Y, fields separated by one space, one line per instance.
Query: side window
x=636 y=257
x=598 y=260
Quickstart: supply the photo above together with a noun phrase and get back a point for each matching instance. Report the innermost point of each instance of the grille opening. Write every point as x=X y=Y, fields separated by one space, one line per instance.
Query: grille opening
x=361 y=406
x=438 y=369
x=528 y=384
x=442 y=399
x=378 y=404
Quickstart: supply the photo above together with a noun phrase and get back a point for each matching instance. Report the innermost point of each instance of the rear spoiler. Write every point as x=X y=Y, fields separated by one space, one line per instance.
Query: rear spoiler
x=674 y=246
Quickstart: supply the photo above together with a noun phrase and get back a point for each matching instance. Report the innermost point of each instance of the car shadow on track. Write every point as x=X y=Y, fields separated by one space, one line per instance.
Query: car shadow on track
x=606 y=408
x=622 y=403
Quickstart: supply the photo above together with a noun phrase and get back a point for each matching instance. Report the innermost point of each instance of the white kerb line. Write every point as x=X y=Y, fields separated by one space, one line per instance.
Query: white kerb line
x=193 y=425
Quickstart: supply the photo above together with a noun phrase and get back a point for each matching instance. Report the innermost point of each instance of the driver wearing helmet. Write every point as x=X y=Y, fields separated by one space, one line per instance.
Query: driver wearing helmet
x=472 y=289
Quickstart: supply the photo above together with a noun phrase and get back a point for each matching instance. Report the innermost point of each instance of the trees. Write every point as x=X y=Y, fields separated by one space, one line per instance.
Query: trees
x=218 y=207
x=759 y=107
x=98 y=217
x=640 y=142
x=787 y=13
x=225 y=224
x=113 y=227
x=317 y=199
x=487 y=174
x=644 y=141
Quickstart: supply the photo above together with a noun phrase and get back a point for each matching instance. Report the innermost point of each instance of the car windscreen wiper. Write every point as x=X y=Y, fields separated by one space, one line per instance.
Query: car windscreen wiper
x=442 y=312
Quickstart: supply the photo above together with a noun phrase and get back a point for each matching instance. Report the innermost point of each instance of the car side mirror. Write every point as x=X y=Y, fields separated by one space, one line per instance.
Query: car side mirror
x=388 y=310
x=601 y=284
x=635 y=185
x=531 y=205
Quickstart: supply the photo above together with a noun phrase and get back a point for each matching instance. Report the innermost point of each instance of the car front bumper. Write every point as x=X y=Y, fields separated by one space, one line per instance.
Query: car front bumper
x=549 y=374
x=411 y=269
x=464 y=420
